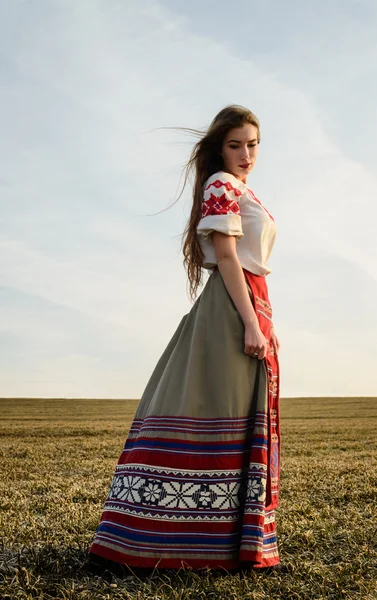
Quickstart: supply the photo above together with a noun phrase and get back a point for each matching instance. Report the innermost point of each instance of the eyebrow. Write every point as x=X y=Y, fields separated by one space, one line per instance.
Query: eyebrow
x=238 y=141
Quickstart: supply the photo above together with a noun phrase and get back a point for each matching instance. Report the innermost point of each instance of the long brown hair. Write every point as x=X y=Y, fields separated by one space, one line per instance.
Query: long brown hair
x=205 y=159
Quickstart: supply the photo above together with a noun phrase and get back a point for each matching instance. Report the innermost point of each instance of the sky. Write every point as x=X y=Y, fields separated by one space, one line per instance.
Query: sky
x=92 y=283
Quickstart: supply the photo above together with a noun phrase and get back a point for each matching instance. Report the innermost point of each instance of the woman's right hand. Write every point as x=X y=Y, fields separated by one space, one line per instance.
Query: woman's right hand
x=255 y=342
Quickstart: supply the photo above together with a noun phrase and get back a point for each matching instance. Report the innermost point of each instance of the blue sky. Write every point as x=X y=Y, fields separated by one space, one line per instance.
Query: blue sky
x=92 y=282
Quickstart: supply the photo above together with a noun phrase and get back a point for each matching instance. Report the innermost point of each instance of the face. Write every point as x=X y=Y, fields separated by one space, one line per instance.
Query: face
x=240 y=150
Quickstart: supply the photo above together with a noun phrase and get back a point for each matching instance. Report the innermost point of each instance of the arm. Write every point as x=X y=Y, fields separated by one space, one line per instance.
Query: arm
x=234 y=280
x=232 y=274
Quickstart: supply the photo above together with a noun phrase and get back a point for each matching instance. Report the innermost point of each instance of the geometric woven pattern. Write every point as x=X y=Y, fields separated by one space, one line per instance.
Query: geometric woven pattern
x=148 y=491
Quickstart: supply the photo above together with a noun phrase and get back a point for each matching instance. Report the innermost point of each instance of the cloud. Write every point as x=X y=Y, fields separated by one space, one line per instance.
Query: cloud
x=85 y=165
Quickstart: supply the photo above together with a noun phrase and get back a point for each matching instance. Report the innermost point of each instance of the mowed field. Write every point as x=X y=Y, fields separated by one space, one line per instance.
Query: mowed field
x=57 y=462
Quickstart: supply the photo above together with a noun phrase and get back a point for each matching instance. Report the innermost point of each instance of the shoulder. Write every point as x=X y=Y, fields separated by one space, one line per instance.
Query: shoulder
x=221 y=183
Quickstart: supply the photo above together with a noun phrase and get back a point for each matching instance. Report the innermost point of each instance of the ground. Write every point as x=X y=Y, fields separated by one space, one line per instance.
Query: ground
x=57 y=462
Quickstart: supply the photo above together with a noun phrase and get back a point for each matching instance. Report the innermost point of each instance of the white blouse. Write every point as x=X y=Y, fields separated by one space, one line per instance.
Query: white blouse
x=231 y=207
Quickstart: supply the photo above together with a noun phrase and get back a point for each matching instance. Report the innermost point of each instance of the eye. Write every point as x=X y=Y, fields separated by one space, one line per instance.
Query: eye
x=233 y=147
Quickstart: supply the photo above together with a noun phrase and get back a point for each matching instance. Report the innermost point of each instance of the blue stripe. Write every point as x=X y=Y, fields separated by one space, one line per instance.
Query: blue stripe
x=161 y=538
x=173 y=549
x=191 y=446
x=249 y=531
x=270 y=540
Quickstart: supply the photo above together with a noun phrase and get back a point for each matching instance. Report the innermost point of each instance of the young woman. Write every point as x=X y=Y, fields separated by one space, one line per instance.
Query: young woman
x=197 y=481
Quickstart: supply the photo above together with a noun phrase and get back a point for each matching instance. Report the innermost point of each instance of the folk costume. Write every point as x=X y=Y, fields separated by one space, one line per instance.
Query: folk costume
x=197 y=481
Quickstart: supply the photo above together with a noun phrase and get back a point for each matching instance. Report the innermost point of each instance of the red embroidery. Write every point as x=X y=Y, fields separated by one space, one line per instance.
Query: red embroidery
x=219 y=205
x=218 y=183
x=259 y=202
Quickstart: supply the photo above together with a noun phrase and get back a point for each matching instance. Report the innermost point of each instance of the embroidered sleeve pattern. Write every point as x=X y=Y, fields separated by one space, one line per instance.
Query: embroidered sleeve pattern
x=220 y=209
x=220 y=198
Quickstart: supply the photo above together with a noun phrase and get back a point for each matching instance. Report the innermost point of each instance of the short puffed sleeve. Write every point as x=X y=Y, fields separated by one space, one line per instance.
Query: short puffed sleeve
x=220 y=207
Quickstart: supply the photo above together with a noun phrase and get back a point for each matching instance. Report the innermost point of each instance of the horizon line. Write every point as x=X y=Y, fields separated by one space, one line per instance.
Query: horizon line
x=138 y=399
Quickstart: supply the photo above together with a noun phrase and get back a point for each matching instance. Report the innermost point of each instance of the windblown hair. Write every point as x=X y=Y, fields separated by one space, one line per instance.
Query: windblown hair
x=206 y=159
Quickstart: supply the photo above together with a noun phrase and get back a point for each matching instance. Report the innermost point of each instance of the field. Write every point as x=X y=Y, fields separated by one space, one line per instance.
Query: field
x=57 y=462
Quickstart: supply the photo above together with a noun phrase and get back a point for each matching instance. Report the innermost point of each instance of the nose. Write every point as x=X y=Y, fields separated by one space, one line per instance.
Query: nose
x=245 y=155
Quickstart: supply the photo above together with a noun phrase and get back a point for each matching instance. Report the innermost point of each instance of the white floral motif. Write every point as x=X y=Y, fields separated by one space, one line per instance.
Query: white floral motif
x=125 y=488
x=151 y=491
x=256 y=489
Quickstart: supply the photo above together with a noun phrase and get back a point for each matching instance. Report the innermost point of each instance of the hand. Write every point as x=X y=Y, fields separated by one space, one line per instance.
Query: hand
x=274 y=341
x=255 y=342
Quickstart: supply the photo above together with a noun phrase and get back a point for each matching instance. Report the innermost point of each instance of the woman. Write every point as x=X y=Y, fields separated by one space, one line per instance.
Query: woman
x=197 y=481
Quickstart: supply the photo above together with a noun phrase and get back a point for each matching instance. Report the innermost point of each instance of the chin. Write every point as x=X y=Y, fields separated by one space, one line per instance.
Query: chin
x=243 y=172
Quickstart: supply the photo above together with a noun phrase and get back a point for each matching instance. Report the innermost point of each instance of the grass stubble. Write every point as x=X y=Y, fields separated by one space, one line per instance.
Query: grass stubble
x=57 y=462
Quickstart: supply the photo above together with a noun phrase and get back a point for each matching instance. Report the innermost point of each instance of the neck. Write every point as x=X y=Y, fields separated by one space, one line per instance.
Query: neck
x=239 y=177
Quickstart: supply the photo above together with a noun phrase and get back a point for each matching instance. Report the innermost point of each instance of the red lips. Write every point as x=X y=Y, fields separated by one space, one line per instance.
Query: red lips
x=245 y=166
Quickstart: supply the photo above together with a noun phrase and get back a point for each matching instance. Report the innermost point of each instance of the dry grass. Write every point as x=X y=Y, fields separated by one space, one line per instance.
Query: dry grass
x=57 y=462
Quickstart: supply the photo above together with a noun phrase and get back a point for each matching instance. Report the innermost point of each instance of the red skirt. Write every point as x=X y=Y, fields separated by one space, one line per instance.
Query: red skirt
x=197 y=482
